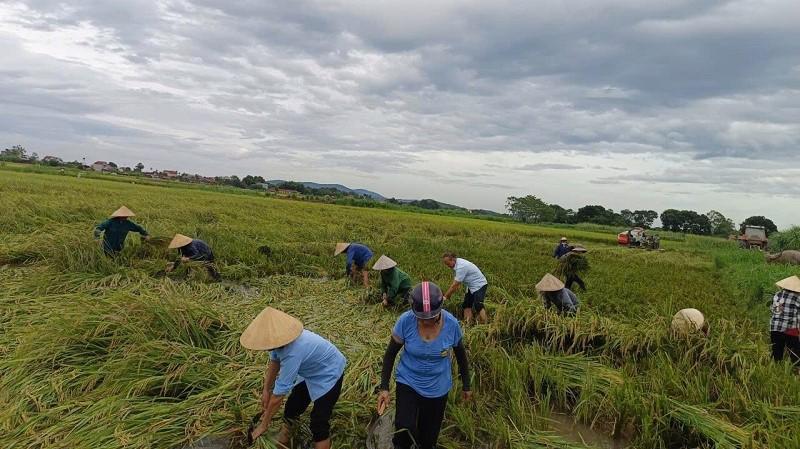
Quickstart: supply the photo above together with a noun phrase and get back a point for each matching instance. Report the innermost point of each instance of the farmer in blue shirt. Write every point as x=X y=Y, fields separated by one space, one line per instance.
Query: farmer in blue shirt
x=115 y=230
x=429 y=337
x=193 y=249
x=302 y=365
x=562 y=248
x=475 y=283
x=357 y=257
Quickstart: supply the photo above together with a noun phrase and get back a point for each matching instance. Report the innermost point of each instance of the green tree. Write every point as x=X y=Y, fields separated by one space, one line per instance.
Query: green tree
x=529 y=209
x=17 y=152
x=759 y=220
x=720 y=225
x=644 y=218
x=139 y=167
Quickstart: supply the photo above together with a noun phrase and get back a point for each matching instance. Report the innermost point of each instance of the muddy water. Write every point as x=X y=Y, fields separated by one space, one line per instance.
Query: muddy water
x=566 y=427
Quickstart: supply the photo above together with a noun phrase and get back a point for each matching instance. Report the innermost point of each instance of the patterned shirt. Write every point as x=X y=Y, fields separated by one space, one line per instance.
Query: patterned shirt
x=785 y=311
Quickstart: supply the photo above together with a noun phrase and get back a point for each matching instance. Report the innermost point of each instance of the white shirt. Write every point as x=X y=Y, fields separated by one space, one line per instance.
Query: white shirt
x=469 y=275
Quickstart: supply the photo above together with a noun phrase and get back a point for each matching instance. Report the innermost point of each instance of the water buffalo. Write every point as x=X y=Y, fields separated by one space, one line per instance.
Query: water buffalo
x=788 y=256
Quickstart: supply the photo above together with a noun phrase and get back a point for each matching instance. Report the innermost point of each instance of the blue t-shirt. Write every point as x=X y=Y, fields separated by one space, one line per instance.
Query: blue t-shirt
x=359 y=254
x=309 y=358
x=426 y=366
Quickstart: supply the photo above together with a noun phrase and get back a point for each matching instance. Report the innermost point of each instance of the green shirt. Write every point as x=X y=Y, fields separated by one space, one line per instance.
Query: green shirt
x=394 y=281
x=115 y=231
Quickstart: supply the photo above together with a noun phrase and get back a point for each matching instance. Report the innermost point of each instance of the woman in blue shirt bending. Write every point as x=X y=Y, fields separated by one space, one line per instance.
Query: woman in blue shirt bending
x=302 y=365
x=429 y=336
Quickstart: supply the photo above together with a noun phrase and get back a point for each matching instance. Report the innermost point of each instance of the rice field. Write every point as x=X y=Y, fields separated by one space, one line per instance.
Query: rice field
x=101 y=353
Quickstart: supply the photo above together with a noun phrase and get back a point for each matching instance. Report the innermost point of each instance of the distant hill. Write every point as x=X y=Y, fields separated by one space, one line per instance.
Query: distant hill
x=339 y=187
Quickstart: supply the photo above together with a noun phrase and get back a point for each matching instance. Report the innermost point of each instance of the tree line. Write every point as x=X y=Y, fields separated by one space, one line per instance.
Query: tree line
x=531 y=209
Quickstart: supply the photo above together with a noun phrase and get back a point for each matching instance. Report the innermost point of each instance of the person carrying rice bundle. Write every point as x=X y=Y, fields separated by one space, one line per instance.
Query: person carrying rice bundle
x=193 y=250
x=394 y=282
x=304 y=366
x=429 y=337
x=571 y=264
x=357 y=257
x=115 y=230
x=785 y=320
x=555 y=294
x=562 y=248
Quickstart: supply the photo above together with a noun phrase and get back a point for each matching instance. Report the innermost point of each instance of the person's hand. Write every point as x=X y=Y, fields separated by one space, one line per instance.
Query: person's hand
x=466 y=396
x=383 y=401
x=147 y=237
x=260 y=429
x=170 y=266
x=184 y=259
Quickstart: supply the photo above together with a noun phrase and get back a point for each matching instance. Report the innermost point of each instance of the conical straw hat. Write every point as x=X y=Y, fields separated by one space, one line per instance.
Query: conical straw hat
x=340 y=248
x=579 y=249
x=790 y=283
x=688 y=320
x=123 y=212
x=549 y=283
x=179 y=241
x=271 y=329
x=384 y=263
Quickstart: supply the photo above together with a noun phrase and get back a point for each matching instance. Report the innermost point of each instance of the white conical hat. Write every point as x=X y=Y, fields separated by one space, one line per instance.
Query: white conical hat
x=123 y=212
x=384 y=263
x=549 y=283
x=271 y=329
x=179 y=241
x=340 y=248
x=790 y=283
x=688 y=320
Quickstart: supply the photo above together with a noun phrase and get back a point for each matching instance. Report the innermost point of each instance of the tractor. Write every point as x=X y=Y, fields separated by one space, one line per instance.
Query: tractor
x=638 y=238
x=753 y=237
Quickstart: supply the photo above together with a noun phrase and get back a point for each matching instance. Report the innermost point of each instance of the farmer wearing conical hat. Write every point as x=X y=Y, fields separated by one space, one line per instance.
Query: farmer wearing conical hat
x=302 y=365
x=786 y=320
x=688 y=321
x=394 y=282
x=571 y=264
x=357 y=257
x=555 y=294
x=562 y=248
x=116 y=229
x=195 y=250
x=474 y=281
x=429 y=337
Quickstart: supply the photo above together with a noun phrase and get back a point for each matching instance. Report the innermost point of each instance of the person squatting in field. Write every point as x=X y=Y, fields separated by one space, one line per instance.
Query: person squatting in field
x=116 y=229
x=785 y=320
x=429 y=337
x=357 y=257
x=296 y=355
x=394 y=282
x=555 y=294
x=475 y=283
x=572 y=264
x=194 y=250
x=688 y=321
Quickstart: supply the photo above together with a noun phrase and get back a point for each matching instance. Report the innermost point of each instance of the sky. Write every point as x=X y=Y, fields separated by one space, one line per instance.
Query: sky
x=687 y=104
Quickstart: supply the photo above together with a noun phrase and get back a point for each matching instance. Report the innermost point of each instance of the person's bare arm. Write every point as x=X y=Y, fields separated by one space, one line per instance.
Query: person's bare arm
x=455 y=286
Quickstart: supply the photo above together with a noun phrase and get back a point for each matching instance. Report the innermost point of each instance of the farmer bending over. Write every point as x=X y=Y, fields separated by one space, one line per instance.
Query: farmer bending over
x=555 y=294
x=295 y=355
x=195 y=250
x=785 y=320
x=394 y=282
x=116 y=229
x=475 y=282
x=429 y=337
x=688 y=321
x=357 y=257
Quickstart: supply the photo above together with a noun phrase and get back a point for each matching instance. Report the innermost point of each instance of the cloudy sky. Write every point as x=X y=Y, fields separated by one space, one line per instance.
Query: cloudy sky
x=626 y=103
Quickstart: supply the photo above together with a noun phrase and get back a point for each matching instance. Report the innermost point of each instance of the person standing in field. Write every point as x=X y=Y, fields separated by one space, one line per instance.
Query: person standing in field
x=786 y=320
x=429 y=337
x=475 y=283
x=304 y=366
x=195 y=250
x=394 y=282
x=562 y=248
x=571 y=265
x=688 y=321
x=116 y=229
x=555 y=294
x=357 y=257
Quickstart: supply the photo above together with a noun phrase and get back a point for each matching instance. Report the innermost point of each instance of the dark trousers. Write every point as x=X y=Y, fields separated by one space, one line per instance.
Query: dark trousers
x=417 y=419
x=574 y=278
x=298 y=402
x=780 y=342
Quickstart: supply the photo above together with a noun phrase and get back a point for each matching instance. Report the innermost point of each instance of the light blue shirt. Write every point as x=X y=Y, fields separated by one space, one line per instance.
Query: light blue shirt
x=426 y=366
x=309 y=358
x=469 y=275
